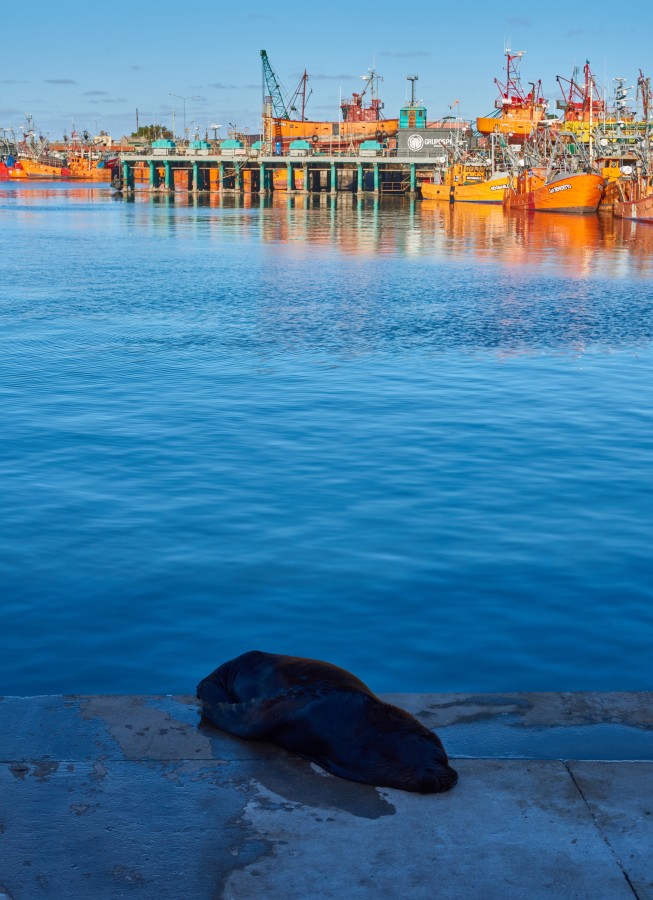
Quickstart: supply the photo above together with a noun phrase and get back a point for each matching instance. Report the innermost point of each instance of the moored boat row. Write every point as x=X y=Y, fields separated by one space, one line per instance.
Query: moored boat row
x=33 y=157
x=593 y=157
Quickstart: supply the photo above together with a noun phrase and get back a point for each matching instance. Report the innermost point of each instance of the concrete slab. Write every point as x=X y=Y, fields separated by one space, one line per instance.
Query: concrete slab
x=521 y=725
x=620 y=797
x=572 y=725
x=109 y=797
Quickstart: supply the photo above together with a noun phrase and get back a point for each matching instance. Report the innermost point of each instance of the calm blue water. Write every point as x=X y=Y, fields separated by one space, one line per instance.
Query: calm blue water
x=415 y=441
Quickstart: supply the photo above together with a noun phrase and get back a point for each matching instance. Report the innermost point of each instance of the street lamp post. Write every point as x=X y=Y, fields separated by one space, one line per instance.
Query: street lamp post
x=184 y=101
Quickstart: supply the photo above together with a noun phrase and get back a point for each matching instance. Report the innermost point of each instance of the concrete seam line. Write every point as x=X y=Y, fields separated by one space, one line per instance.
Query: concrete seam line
x=602 y=834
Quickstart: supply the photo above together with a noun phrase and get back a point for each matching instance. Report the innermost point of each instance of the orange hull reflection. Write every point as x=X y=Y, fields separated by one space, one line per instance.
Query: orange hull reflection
x=580 y=245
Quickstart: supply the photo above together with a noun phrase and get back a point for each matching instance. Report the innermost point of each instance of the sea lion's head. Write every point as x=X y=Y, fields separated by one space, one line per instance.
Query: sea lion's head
x=424 y=766
x=406 y=754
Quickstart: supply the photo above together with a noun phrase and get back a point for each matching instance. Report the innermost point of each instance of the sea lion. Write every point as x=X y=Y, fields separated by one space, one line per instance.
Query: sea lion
x=327 y=715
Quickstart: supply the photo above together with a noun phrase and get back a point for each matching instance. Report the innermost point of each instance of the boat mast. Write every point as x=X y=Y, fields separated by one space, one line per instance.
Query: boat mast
x=646 y=96
x=589 y=87
x=304 y=81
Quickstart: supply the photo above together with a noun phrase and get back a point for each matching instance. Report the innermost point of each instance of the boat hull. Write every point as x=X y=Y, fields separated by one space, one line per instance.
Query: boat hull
x=329 y=136
x=516 y=128
x=489 y=191
x=579 y=192
x=30 y=168
x=641 y=210
x=84 y=169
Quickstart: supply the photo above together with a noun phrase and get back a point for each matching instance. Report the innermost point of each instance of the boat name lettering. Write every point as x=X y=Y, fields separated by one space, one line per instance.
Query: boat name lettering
x=499 y=187
x=561 y=187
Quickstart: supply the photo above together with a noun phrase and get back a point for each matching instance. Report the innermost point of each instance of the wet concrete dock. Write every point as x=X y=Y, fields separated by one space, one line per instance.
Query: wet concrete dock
x=111 y=797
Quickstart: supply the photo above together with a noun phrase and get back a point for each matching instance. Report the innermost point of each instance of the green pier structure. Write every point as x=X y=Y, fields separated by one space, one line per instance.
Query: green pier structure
x=233 y=166
x=239 y=171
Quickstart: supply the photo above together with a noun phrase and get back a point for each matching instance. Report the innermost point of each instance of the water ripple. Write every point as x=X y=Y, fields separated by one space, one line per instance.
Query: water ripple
x=411 y=439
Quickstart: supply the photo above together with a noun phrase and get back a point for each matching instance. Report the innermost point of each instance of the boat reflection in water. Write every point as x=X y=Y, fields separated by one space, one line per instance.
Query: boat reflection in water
x=580 y=245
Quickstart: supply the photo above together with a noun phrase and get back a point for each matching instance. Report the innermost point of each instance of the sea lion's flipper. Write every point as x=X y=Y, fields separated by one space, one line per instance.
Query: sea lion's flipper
x=253 y=719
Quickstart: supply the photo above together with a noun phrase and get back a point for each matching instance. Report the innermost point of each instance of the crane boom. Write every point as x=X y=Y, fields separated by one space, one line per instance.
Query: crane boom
x=274 y=89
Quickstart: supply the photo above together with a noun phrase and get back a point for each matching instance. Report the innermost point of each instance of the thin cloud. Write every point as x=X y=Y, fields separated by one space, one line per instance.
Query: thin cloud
x=330 y=77
x=259 y=16
x=521 y=21
x=136 y=68
x=14 y=81
x=405 y=54
x=95 y=94
x=103 y=102
x=59 y=81
x=222 y=87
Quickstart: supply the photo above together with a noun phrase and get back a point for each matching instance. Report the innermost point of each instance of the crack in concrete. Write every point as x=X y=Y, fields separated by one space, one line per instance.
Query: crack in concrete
x=599 y=829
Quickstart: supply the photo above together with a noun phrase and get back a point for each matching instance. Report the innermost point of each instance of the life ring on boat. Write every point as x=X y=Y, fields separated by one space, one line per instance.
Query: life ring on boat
x=315 y=139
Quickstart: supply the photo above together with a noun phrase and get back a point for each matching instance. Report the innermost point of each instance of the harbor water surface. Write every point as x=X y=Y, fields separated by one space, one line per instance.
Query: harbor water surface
x=412 y=439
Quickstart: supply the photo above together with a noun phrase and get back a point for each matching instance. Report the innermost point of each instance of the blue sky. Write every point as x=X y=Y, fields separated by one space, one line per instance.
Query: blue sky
x=94 y=64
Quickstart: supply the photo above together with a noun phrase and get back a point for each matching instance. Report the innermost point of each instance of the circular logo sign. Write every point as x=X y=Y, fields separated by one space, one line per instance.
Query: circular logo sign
x=415 y=142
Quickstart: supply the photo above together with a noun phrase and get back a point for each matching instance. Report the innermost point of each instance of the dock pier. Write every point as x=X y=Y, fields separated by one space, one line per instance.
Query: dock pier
x=255 y=174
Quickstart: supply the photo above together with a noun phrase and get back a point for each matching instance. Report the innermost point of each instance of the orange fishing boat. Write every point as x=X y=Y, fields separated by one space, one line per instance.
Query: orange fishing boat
x=467 y=183
x=327 y=137
x=574 y=192
x=84 y=167
x=34 y=157
x=617 y=164
x=636 y=200
x=28 y=167
x=641 y=210
x=284 y=119
x=517 y=113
